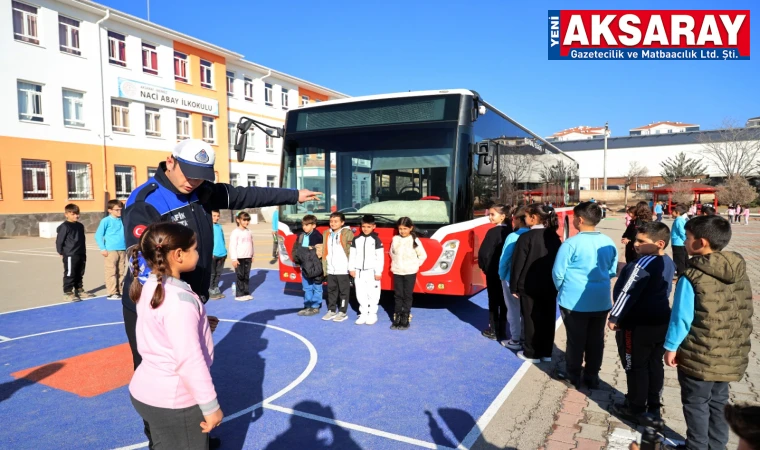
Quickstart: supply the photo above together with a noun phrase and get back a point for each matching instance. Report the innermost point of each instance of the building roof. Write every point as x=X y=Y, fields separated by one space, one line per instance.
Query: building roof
x=583 y=129
x=696 y=188
x=672 y=124
x=651 y=140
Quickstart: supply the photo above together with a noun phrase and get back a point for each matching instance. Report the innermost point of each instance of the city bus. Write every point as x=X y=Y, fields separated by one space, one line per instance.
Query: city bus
x=437 y=157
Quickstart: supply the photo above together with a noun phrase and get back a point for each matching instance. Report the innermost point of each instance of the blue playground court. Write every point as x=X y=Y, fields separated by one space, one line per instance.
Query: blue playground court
x=284 y=381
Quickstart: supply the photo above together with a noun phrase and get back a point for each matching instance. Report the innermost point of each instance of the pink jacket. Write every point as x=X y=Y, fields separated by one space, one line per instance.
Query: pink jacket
x=177 y=350
x=241 y=244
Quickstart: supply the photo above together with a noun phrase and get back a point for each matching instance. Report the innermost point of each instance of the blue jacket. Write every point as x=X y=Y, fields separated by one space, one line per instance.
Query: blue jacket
x=220 y=250
x=110 y=234
x=678 y=233
x=658 y=209
x=505 y=262
x=582 y=272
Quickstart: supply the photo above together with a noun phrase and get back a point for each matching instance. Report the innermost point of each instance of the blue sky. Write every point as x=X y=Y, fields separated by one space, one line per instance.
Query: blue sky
x=496 y=47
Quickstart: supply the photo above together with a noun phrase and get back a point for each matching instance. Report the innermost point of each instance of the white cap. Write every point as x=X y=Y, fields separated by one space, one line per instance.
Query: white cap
x=196 y=159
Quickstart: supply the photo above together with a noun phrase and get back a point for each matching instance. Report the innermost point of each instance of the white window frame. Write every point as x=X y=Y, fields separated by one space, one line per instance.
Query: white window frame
x=71 y=103
x=304 y=100
x=268 y=94
x=70 y=32
x=34 y=167
x=29 y=24
x=114 y=44
x=183 y=124
x=152 y=172
x=182 y=67
x=122 y=175
x=209 y=129
x=284 y=98
x=120 y=110
x=33 y=102
x=250 y=144
x=254 y=179
x=150 y=49
x=152 y=121
x=79 y=192
x=230 y=83
x=207 y=74
x=269 y=141
x=231 y=131
x=271 y=181
x=248 y=89
x=234 y=179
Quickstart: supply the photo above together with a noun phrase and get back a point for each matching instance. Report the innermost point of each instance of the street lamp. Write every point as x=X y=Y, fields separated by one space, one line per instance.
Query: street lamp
x=604 y=168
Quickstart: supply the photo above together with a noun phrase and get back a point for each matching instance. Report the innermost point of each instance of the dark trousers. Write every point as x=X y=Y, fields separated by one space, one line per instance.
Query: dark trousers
x=130 y=325
x=585 y=342
x=497 y=307
x=630 y=252
x=174 y=428
x=243 y=273
x=659 y=217
x=73 y=272
x=539 y=317
x=217 y=265
x=641 y=351
x=338 y=289
x=680 y=257
x=703 y=403
x=403 y=292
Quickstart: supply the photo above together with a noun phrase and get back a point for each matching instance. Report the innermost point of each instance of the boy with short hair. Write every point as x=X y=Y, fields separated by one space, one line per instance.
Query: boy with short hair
x=640 y=316
x=305 y=255
x=336 y=248
x=365 y=265
x=678 y=238
x=582 y=271
x=744 y=421
x=708 y=337
x=219 y=256
x=70 y=244
x=110 y=239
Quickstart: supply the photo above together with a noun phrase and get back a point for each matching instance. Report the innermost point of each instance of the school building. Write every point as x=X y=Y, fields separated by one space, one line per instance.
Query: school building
x=103 y=96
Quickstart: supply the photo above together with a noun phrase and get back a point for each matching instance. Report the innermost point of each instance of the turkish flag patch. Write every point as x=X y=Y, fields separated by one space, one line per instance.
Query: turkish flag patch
x=138 y=231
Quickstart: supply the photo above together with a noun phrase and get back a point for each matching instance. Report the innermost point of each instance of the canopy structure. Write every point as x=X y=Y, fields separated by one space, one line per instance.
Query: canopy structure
x=549 y=193
x=696 y=188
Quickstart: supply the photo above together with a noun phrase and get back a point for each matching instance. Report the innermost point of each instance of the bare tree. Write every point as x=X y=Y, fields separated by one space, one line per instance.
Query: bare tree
x=514 y=171
x=737 y=190
x=635 y=171
x=733 y=149
x=682 y=192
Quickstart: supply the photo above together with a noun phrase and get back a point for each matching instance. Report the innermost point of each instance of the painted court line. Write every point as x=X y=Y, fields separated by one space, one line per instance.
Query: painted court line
x=3 y=338
x=26 y=253
x=62 y=330
x=7 y=261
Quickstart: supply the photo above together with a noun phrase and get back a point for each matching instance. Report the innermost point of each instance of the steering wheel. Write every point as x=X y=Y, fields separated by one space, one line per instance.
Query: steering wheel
x=410 y=188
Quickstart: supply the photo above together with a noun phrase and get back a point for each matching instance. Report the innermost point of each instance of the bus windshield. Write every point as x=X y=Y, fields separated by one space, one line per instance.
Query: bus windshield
x=390 y=172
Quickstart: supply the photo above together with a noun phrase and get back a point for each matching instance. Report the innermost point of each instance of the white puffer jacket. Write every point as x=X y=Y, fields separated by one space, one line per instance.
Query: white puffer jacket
x=405 y=258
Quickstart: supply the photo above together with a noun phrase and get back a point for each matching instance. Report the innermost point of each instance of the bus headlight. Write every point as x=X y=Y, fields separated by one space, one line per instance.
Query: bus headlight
x=446 y=260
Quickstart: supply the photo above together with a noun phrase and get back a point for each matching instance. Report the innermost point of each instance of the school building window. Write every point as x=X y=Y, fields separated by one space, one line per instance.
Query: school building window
x=120 y=116
x=248 y=88
x=117 y=49
x=180 y=67
x=253 y=180
x=78 y=181
x=268 y=95
x=25 y=23
x=304 y=100
x=209 y=133
x=284 y=97
x=233 y=179
x=68 y=35
x=231 y=131
x=152 y=171
x=270 y=140
x=73 y=106
x=206 y=75
x=271 y=180
x=183 y=125
x=230 y=83
x=125 y=181
x=149 y=59
x=35 y=177
x=250 y=143
x=30 y=101
x=152 y=121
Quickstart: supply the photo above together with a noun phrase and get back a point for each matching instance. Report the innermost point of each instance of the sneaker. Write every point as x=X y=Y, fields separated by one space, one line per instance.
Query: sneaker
x=488 y=334
x=512 y=344
x=361 y=320
x=311 y=311
x=243 y=298
x=624 y=412
x=114 y=297
x=572 y=382
x=249 y=297
x=340 y=317
x=81 y=293
x=522 y=356
x=371 y=320
x=302 y=312
x=70 y=297
x=592 y=382
x=329 y=316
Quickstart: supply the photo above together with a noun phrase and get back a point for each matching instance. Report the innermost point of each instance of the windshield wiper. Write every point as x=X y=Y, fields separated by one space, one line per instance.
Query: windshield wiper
x=379 y=216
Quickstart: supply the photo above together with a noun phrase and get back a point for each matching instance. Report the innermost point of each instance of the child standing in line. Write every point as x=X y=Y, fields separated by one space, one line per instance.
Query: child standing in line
x=640 y=318
x=241 y=255
x=407 y=255
x=70 y=244
x=110 y=239
x=708 y=337
x=678 y=238
x=731 y=213
x=335 y=250
x=746 y=212
x=219 y=256
x=488 y=261
x=172 y=389
x=582 y=272
x=305 y=255
x=642 y=214
x=531 y=282
x=505 y=267
x=365 y=265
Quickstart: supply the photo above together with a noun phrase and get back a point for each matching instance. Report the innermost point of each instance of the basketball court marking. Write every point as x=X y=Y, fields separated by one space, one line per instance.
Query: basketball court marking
x=9 y=261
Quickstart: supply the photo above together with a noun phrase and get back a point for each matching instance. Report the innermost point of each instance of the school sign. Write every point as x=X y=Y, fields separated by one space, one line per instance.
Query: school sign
x=170 y=98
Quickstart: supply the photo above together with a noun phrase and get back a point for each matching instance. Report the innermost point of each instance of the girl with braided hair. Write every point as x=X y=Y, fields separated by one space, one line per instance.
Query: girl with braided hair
x=172 y=389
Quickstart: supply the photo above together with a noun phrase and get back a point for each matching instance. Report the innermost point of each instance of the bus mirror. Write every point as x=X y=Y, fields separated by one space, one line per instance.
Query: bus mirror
x=485 y=165
x=241 y=142
x=482 y=148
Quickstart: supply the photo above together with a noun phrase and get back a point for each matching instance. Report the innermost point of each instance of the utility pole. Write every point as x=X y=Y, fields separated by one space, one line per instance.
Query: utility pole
x=606 y=132
x=148 y=10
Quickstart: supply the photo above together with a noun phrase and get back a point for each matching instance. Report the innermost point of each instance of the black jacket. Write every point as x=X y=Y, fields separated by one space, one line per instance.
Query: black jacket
x=532 y=263
x=490 y=249
x=306 y=257
x=641 y=292
x=70 y=239
x=159 y=201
